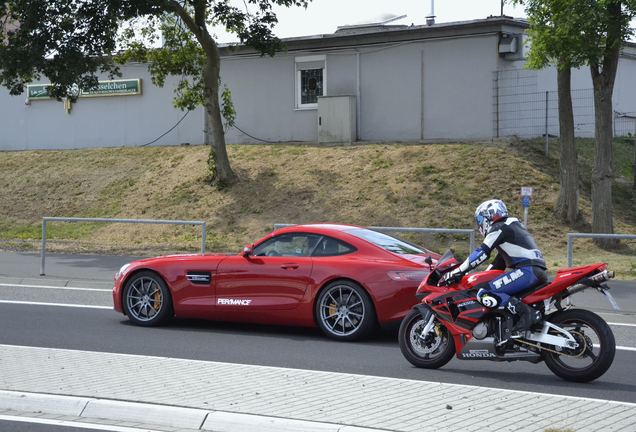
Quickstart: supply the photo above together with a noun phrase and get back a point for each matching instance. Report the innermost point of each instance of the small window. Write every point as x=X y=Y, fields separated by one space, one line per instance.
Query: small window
x=331 y=247
x=310 y=80
x=293 y=244
x=310 y=86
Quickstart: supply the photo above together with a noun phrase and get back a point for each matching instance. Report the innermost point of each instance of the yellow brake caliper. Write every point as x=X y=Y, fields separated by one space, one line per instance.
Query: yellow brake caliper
x=333 y=309
x=157 y=301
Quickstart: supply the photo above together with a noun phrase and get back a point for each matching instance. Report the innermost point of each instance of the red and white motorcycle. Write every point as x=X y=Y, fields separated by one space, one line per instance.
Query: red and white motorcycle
x=576 y=344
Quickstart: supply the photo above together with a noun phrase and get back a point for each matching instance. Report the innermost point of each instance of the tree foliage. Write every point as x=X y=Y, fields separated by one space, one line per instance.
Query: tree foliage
x=553 y=41
x=71 y=42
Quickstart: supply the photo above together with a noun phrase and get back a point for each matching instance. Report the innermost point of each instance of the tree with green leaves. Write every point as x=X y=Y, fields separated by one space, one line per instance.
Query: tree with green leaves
x=593 y=33
x=552 y=44
x=71 y=41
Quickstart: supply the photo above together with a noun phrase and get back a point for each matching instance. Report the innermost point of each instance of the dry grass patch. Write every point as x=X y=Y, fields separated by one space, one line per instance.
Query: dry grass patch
x=388 y=185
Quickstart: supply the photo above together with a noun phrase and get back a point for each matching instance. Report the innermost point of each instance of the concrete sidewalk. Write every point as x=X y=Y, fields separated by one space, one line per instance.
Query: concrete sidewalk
x=198 y=395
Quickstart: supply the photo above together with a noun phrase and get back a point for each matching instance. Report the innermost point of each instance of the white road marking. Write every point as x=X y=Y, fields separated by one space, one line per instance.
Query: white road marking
x=621 y=324
x=55 y=287
x=78 y=424
x=55 y=304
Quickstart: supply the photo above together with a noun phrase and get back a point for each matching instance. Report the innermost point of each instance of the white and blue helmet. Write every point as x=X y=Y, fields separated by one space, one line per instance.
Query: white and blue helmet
x=488 y=213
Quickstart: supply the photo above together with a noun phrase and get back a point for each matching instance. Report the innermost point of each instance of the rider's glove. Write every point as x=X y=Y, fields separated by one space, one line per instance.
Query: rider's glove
x=452 y=277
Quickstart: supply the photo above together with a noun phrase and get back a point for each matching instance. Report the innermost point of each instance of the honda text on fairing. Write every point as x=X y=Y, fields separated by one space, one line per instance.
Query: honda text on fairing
x=343 y=279
x=577 y=345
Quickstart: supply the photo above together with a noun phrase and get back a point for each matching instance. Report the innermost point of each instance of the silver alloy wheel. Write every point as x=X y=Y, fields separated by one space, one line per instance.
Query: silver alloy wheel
x=144 y=299
x=342 y=310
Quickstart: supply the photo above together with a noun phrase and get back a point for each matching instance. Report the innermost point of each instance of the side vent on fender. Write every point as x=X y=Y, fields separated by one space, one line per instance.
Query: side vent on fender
x=199 y=277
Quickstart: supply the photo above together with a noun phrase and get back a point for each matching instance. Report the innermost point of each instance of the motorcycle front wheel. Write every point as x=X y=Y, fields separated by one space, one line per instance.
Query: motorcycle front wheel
x=430 y=351
x=596 y=346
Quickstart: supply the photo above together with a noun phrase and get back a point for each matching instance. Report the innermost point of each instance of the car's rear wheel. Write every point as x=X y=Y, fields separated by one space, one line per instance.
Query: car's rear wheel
x=344 y=311
x=146 y=299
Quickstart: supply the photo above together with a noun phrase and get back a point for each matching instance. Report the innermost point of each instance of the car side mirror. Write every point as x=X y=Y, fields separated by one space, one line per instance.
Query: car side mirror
x=429 y=261
x=248 y=250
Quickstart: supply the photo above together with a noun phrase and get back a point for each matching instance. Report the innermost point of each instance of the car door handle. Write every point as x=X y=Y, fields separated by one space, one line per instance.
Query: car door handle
x=289 y=266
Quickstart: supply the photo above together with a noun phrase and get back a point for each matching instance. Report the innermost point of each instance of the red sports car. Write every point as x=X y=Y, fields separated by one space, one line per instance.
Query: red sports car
x=344 y=279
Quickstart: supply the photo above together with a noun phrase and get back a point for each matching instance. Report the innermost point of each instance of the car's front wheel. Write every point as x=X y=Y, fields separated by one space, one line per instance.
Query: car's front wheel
x=344 y=311
x=146 y=299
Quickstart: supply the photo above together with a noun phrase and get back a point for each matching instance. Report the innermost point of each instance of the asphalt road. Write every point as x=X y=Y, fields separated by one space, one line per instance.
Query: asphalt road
x=27 y=426
x=94 y=326
x=106 y=331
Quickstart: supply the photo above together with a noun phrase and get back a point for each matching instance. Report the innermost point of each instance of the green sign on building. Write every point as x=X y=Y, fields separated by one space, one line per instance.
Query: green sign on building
x=125 y=87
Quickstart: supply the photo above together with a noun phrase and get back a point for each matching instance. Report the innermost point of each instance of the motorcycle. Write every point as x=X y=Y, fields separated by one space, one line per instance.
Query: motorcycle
x=575 y=344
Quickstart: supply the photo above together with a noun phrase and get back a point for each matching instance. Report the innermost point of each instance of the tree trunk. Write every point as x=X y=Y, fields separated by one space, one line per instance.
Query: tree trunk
x=567 y=203
x=221 y=173
x=603 y=78
x=602 y=172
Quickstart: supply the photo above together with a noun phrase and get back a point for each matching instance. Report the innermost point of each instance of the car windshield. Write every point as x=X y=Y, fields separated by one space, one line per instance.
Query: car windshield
x=387 y=242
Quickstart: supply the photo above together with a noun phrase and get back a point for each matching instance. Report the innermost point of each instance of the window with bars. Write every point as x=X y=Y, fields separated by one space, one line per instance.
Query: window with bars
x=310 y=86
x=310 y=80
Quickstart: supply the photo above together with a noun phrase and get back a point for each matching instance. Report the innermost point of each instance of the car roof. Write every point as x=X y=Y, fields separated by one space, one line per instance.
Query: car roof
x=316 y=228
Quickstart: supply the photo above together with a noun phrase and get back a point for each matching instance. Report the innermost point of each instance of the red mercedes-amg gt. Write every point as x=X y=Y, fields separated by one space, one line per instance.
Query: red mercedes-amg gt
x=342 y=278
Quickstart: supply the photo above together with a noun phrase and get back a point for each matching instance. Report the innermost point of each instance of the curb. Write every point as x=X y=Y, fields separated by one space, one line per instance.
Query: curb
x=161 y=415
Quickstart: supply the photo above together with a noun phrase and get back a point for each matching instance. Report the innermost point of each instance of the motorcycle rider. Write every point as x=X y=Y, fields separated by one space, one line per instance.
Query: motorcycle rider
x=517 y=251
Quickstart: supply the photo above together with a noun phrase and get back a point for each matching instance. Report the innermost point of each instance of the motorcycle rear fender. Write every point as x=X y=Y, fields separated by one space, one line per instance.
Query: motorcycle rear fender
x=564 y=278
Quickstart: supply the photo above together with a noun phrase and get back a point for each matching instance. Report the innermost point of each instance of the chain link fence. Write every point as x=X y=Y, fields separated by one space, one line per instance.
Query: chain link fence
x=520 y=110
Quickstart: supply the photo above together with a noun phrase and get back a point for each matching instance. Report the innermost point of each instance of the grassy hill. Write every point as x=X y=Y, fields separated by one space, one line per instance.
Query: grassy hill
x=373 y=184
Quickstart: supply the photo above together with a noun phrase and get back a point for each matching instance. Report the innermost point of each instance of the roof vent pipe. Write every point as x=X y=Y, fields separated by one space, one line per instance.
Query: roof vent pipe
x=430 y=19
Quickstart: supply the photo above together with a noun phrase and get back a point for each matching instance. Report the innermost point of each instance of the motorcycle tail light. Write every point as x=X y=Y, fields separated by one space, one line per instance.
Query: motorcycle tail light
x=409 y=275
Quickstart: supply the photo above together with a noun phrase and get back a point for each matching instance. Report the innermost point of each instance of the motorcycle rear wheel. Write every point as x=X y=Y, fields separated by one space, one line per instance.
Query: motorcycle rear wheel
x=425 y=351
x=597 y=346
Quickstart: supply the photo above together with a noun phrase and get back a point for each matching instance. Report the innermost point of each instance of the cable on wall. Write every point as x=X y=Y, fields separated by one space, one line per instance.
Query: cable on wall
x=167 y=132
x=253 y=137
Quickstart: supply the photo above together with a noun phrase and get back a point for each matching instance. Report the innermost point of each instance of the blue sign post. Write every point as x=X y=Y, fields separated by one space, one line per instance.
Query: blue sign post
x=526 y=193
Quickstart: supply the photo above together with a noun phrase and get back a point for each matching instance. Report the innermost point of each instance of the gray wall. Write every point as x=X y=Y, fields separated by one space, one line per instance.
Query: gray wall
x=438 y=89
x=263 y=95
x=458 y=91
x=100 y=121
x=408 y=92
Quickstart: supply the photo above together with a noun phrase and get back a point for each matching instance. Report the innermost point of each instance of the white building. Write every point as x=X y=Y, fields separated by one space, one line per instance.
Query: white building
x=449 y=81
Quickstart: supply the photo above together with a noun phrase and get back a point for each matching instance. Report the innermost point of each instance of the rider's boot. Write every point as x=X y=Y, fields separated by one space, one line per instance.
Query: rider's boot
x=527 y=316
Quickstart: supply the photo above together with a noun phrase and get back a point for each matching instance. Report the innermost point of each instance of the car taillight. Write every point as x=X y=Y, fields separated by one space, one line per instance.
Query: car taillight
x=407 y=275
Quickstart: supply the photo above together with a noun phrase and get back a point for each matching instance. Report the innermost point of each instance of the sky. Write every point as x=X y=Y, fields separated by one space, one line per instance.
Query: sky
x=325 y=16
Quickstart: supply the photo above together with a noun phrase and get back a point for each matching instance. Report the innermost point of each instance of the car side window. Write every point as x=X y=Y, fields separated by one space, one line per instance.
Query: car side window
x=292 y=244
x=329 y=246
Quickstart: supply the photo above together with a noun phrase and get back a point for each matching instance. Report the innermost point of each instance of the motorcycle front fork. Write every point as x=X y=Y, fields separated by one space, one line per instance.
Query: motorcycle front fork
x=428 y=327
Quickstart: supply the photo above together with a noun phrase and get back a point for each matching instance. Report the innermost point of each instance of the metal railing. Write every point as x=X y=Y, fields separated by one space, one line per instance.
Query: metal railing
x=572 y=236
x=470 y=233
x=45 y=220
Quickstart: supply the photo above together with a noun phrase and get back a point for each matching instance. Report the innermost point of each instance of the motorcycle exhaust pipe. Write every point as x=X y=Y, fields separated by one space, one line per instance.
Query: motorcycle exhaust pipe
x=603 y=276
